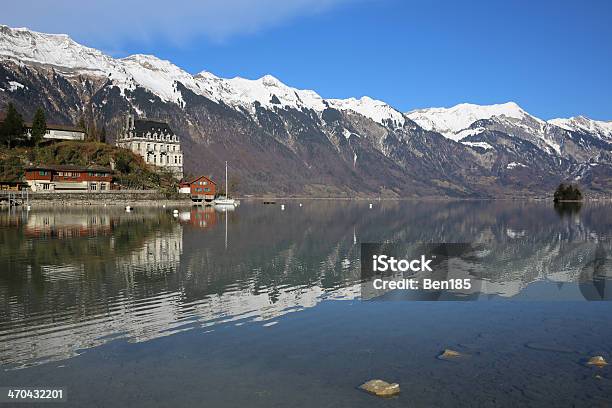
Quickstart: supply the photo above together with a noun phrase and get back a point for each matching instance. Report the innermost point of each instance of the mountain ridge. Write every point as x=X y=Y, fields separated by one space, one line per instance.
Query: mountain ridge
x=79 y=57
x=353 y=103
x=290 y=141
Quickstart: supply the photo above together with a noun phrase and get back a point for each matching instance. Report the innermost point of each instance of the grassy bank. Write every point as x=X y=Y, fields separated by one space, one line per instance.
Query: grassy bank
x=131 y=171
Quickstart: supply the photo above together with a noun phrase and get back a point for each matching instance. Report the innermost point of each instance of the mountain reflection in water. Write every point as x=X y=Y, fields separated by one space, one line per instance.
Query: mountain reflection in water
x=75 y=279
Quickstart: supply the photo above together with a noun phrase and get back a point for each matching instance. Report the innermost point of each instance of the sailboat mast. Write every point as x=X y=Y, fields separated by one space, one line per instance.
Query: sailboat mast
x=226 y=187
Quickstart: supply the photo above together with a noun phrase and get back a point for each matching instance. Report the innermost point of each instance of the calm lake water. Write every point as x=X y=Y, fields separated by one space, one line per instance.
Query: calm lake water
x=262 y=307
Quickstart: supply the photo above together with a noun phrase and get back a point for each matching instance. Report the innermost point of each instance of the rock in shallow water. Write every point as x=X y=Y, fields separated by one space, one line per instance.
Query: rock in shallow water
x=449 y=354
x=381 y=388
x=597 y=361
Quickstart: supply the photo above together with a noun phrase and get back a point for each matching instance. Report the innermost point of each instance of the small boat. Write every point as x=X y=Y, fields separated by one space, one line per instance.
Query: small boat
x=225 y=200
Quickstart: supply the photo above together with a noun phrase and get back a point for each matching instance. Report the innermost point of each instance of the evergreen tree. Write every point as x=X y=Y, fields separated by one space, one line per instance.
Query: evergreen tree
x=12 y=128
x=39 y=126
x=103 y=134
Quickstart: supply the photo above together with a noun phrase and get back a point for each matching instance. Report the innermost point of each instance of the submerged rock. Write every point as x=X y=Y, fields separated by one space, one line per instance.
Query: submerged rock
x=449 y=354
x=381 y=388
x=597 y=361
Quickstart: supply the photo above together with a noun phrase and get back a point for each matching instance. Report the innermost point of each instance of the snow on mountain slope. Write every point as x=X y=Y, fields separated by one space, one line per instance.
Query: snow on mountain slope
x=154 y=74
x=160 y=77
x=66 y=55
x=451 y=121
x=270 y=92
x=583 y=124
x=458 y=122
x=374 y=109
x=53 y=49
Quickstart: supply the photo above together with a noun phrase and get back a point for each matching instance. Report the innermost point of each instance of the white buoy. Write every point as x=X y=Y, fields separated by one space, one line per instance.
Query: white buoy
x=300 y=204
x=128 y=208
x=175 y=211
x=370 y=205
x=29 y=207
x=164 y=206
x=282 y=207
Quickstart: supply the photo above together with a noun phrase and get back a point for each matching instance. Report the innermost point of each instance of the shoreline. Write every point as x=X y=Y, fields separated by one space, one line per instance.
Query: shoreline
x=150 y=199
x=153 y=198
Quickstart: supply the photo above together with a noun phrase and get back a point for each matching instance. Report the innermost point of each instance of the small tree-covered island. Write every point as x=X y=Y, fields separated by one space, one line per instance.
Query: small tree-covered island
x=567 y=192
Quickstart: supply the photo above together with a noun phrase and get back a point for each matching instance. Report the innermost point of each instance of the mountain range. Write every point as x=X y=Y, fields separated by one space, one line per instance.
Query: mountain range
x=285 y=141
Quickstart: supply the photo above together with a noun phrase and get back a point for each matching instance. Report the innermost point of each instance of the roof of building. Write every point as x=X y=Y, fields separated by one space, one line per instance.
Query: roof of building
x=194 y=179
x=61 y=127
x=69 y=167
x=142 y=126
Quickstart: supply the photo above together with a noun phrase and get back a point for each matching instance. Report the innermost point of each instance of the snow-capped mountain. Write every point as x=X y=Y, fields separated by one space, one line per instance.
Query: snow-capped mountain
x=468 y=120
x=454 y=122
x=160 y=76
x=585 y=125
x=292 y=141
x=469 y=123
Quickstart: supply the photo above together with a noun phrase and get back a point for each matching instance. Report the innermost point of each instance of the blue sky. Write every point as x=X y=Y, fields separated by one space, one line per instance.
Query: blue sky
x=554 y=58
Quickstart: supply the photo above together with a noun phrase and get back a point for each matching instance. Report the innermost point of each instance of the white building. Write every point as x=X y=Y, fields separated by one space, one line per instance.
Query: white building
x=59 y=132
x=154 y=141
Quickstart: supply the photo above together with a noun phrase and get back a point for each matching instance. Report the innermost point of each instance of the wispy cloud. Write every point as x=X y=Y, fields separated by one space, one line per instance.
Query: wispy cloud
x=114 y=21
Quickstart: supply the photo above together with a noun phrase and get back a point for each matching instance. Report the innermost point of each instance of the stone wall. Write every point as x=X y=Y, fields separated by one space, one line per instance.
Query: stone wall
x=124 y=197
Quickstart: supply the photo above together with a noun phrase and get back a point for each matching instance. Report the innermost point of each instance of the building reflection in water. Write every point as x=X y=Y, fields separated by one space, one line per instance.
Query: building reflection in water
x=200 y=217
x=49 y=224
